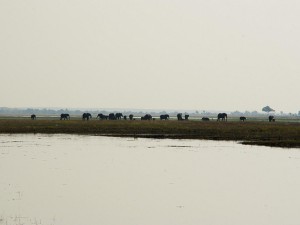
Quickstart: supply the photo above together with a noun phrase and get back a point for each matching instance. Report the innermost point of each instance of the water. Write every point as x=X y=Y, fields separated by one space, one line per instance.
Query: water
x=75 y=180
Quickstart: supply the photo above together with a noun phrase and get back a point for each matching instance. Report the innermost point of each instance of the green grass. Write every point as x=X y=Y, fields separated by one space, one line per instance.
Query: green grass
x=281 y=134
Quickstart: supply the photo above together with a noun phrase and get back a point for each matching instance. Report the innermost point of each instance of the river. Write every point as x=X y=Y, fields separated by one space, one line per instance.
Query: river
x=92 y=180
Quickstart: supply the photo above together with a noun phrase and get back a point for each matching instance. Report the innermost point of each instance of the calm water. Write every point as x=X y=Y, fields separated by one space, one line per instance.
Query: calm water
x=89 y=180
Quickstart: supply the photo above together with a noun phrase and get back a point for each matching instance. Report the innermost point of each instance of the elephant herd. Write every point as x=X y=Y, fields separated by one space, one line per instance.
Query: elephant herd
x=179 y=116
x=112 y=116
x=119 y=116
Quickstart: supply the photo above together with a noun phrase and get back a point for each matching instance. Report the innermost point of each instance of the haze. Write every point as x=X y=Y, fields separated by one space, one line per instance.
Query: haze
x=229 y=55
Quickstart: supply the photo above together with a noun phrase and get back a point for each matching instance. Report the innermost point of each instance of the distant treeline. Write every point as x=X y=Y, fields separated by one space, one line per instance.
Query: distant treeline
x=5 y=111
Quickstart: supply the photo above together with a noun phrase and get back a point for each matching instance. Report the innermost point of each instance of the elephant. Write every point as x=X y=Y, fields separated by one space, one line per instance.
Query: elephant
x=242 y=118
x=131 y=117
x=164 y=117
x=64 y=116
x=33 y=117
x=271 y=119
x=125 y=117
x=101 y=116
x=222 y=116
x=86 y=116
x=112 y=116
x=146 y=117
x=119 y=116
x=179 y=116
x=205 y=119
x=186 y=117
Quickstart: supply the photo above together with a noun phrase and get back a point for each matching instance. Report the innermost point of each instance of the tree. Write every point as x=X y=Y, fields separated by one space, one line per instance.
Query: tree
x=267 y=109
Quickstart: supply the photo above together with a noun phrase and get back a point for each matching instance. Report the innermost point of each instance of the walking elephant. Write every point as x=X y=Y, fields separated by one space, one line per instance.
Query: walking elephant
x=243 y=118
x=164 y=117
x=146 y=117
x=86 y=116
x=271 y=119
x=131 y=117
x=33 y=117
x=222 y=116
x=119 y=116
x=179 y=116
x=64 y=116
x=112 y=116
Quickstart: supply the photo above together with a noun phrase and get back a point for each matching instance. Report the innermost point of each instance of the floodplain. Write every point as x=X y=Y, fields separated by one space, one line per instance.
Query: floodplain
x=254 y=131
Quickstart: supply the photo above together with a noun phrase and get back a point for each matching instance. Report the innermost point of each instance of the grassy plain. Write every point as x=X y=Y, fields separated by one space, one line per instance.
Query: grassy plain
x=280 y=134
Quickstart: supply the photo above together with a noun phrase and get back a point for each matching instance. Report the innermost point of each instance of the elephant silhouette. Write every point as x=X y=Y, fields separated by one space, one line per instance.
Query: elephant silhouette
x=179 y=116
x=271 y=119
x=131 y=117
x=243 y=118
x=119 y=116
x=222 y=116
x=112 y=116
x=101 y=116
x=164 y=117
x=86 y=116
x=64 y=116
x=146 y=117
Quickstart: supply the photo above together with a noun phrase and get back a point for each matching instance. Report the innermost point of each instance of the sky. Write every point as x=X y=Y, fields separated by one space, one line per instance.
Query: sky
x=153 y=54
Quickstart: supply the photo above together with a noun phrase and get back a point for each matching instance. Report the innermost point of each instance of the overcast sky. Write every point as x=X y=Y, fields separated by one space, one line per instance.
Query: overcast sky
x=159 y=54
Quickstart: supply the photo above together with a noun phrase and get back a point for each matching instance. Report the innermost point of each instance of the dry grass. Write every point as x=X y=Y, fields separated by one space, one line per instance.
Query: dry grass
x=282 y=134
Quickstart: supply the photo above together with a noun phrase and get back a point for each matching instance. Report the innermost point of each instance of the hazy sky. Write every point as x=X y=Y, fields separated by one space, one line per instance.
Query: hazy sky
x=166 y=54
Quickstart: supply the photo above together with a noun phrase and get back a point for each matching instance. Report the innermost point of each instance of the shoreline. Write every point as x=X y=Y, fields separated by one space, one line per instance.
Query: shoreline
x=267 y=143
x=278 y=134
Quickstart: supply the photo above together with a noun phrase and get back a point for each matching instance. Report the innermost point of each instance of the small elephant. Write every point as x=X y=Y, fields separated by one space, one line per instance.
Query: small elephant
x=243 y=118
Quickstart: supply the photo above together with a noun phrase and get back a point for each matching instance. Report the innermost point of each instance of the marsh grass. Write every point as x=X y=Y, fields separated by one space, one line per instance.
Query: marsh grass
x=281 y=134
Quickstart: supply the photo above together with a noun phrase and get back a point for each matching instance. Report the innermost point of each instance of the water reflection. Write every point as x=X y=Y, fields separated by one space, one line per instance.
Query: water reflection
x=71 y=179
